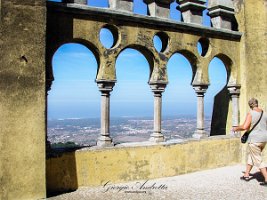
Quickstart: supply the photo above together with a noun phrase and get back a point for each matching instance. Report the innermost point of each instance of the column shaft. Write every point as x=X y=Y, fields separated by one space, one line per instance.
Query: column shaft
x=157 y=113
x=105 y=114
x=200 y=91
x=157 y=89
x=105 y=88
x=200 y=112
x=235 y=104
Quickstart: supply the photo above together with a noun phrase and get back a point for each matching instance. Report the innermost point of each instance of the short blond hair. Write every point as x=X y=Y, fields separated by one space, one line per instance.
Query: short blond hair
x=253 y=103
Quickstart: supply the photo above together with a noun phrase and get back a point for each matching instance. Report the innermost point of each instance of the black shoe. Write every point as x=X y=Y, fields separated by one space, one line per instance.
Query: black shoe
x=263 y=183
x=245 y=178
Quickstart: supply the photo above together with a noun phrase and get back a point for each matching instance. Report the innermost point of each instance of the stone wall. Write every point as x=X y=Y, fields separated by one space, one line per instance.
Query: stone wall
x=22 y=99
x=95 y=167
x=252 y=18
x=23 y=95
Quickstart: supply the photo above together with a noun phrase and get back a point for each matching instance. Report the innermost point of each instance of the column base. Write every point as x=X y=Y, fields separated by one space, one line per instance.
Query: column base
x=156 y=137
x=104 y=141
x=199 y=134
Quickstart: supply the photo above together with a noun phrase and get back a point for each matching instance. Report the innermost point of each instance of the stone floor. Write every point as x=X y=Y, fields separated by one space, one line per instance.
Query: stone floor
x=220 y=183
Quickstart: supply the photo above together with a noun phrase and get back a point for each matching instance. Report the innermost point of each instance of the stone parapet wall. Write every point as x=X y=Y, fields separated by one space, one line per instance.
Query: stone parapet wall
x=94 y=167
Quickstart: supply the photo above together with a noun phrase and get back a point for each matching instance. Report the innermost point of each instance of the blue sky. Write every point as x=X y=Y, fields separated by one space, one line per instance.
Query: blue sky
x=74 y=92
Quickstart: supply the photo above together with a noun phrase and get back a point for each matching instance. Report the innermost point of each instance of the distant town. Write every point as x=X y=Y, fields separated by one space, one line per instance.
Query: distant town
x=84 y=132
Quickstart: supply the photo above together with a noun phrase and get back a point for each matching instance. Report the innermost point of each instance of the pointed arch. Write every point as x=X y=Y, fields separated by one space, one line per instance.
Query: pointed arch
x=73 y=63
x=145 y=52
x=52 y=49
x=179 y=97
x=131 y=96
x=217 y=95
x=192 y=59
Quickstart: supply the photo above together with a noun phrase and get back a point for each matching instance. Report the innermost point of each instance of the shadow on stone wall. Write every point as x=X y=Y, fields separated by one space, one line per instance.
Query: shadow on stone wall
x=220 y=113
x=61 y=172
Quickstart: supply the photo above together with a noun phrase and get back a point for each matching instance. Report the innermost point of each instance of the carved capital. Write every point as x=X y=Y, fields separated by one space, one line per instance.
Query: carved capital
x=157 y=88
x=234 y=90
x=200 y=89
x=105 y=86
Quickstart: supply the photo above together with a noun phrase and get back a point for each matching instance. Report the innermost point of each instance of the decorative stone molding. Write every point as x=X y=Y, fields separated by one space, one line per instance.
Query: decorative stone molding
x=84 y=2
x=105 y=87
x=157 y=89
x=200 y=91
x=222 y=13
x=122 y=5
x=192 y=10
x=234 y=91
x=159 y=8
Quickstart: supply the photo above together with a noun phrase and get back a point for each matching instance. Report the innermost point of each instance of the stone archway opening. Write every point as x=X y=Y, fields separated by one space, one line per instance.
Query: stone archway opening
x=74 y=100
x=217 y=97
x=132 y=99
x=179 y=100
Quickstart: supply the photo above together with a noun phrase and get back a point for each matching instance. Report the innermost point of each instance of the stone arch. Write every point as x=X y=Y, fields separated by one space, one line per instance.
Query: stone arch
x=79 y=58
x=145 y=52
x=52 y=49
x=192 y=59
x=228 y=63
x=179 y=97
x=221 y=100
x=131 y=95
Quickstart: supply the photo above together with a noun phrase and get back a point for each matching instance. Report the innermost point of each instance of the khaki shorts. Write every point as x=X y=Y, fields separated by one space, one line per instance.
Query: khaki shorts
x=254 y=156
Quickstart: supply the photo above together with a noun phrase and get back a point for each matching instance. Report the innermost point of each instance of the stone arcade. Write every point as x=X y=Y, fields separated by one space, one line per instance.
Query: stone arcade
x=32 y=30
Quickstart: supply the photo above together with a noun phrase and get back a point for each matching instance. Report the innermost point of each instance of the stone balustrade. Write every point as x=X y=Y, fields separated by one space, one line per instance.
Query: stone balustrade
x=221 y=12
x=192 y=10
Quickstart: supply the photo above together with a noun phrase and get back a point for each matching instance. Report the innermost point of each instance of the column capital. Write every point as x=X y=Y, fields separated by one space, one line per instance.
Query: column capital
x=105 y=86
x=200 y=89
x=234 y=90
x=157 y=88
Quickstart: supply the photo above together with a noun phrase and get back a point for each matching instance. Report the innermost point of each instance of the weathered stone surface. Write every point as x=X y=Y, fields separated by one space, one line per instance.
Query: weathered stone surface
x=159 y=8
x=22 y=99
x=24 y=42
x=192 y=10
x=123 y=163
x=122 y=5
x=222 y=14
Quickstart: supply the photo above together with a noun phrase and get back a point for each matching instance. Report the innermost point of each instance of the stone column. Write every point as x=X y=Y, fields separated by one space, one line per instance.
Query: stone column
x=122 y=5
x=234 y=91
x=222 y=13
x=157 y=89
x=105 y=87
x=200 y=91
x=84 y=2
x=158 y=8
x=192 y=10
